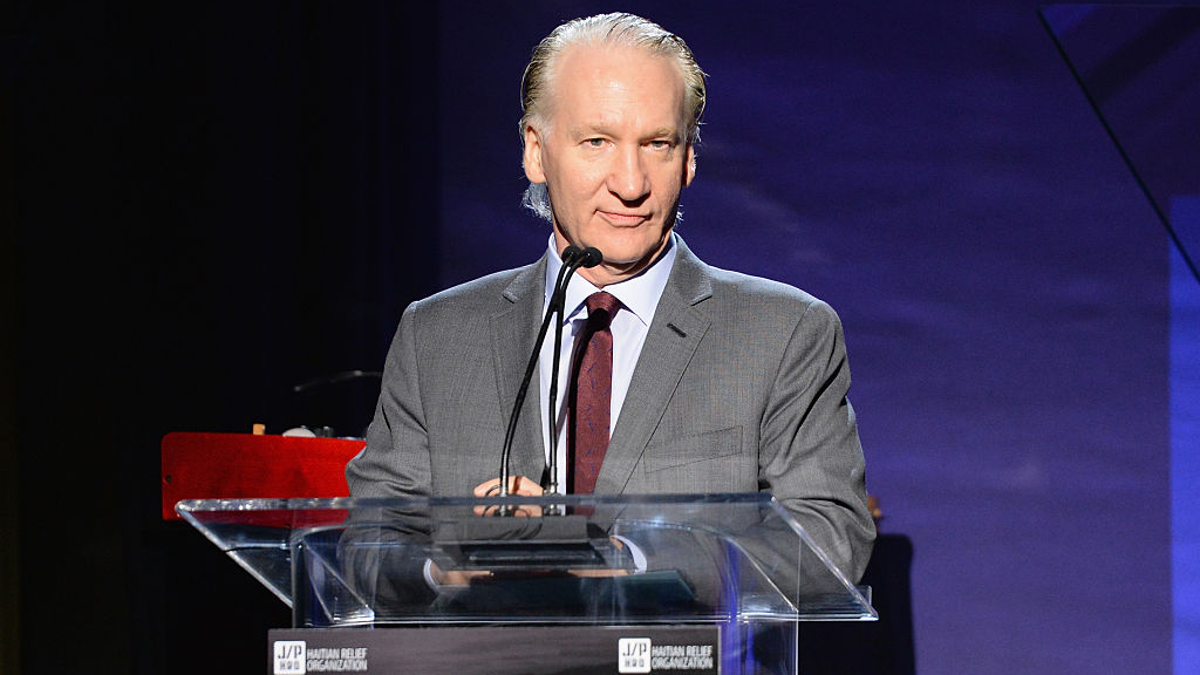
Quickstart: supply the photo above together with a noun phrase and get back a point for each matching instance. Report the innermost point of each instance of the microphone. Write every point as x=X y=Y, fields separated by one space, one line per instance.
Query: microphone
x=573 y=258
x=591 y=257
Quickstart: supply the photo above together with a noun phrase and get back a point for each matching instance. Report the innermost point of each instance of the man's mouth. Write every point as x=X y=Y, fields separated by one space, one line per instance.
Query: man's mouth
x=624 y=219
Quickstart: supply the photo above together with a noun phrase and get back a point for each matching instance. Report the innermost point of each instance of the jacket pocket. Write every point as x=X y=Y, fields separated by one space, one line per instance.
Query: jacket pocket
x=703 y=447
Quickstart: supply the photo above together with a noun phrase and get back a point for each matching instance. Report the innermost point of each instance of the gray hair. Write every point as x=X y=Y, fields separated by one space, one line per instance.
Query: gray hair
x=604 y=29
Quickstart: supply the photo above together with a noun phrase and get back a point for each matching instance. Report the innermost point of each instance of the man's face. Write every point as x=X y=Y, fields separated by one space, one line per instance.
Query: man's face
x=615 y=155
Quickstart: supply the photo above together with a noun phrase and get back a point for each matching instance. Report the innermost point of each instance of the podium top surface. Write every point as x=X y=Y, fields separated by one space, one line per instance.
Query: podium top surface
x=576 y=558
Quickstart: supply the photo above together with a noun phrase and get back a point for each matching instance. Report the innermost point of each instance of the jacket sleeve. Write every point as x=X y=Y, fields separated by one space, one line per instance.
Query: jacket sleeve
x=810 y=457
x=395 y=461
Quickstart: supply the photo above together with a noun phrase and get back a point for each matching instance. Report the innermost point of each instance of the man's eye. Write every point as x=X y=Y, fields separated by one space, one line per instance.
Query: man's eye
x=594 y=142
x=660 y=145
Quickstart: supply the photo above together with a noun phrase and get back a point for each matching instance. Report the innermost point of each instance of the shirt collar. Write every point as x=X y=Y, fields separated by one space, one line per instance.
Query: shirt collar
x=639 y=294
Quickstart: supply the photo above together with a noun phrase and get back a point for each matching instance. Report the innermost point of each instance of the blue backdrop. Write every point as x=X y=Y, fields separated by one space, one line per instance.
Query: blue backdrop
x=934 y=171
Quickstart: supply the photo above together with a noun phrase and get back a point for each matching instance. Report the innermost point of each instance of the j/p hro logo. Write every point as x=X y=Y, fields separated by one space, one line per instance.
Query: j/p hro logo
x=290 y=657
x=633 y=655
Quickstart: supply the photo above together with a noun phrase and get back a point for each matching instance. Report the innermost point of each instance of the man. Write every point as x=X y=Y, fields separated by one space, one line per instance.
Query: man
x=720 y=382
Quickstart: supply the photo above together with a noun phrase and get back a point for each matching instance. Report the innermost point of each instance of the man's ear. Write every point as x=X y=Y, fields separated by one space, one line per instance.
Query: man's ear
x=533 y=156
x=690 y=171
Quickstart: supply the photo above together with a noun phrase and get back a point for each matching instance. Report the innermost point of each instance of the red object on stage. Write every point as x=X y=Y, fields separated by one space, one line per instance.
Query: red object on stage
x=246 y=466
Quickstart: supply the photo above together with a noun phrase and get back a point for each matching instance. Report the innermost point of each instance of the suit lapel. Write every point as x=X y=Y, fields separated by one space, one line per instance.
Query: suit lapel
x=514 y=328
x=674 y=335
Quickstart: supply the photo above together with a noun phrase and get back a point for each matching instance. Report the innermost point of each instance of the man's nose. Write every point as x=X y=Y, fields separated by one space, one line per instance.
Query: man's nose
x=628 y=178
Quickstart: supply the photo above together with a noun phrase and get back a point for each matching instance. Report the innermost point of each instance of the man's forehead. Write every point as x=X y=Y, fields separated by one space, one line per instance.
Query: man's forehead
x=596 y=74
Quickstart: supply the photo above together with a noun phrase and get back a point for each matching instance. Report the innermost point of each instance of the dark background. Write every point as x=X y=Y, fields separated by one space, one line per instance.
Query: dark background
x=207 y=203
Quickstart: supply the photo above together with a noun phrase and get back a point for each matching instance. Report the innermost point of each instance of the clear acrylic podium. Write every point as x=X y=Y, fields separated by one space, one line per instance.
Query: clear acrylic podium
x=572 y=584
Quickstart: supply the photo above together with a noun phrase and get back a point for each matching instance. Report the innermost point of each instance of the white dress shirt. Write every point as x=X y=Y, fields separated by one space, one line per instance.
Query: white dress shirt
x=639 y=296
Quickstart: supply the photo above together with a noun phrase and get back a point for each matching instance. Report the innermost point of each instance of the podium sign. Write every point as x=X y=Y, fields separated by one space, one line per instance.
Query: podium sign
x=505 y=650
x=737 y=564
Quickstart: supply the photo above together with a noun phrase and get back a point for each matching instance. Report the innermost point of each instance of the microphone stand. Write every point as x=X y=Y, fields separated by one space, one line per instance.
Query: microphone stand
x=573 y=259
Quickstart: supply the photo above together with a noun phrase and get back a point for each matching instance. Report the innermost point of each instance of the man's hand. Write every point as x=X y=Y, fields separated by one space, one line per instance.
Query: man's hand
x=455 y=577
x=517 y=485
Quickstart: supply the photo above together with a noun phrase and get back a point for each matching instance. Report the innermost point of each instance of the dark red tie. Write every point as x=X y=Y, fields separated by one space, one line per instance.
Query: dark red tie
x=591 y=393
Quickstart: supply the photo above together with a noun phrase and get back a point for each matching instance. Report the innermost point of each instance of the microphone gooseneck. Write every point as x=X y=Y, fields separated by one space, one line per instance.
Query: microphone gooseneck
x=573 y=258
x=588 y=257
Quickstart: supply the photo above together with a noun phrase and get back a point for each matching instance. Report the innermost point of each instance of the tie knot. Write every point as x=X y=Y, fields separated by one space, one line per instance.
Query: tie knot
x=602 y=307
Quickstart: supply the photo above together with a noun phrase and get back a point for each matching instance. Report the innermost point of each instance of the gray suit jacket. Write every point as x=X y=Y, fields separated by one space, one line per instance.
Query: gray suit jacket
x=741 y=387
